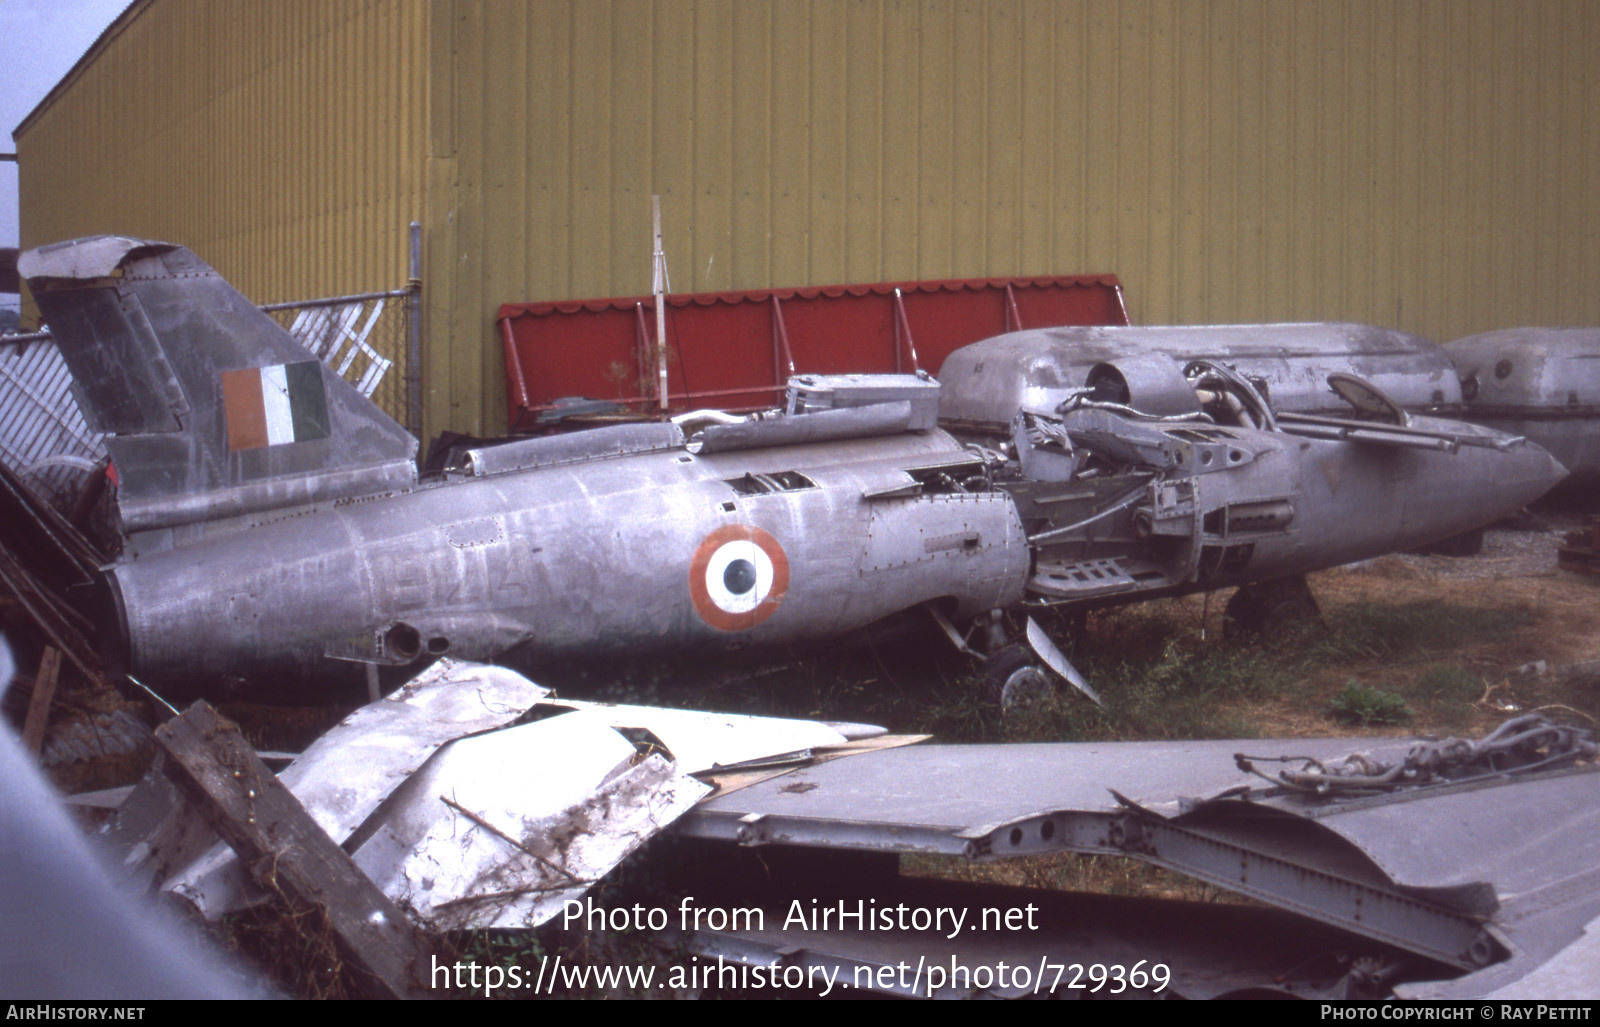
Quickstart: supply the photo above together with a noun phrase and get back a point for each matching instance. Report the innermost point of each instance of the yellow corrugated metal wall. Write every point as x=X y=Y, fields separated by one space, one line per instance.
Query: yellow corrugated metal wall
x=282 y=141
x=1423 y=164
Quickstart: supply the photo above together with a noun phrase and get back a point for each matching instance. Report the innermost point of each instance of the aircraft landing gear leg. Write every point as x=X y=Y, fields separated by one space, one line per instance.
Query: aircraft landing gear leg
x=1266 y=607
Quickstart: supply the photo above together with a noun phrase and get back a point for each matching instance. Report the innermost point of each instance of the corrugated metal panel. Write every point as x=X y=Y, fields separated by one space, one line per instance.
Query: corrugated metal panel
x=280 y=141
x=43 y=436
x=738 y=349
x=1230 y=161
x=1414 y=163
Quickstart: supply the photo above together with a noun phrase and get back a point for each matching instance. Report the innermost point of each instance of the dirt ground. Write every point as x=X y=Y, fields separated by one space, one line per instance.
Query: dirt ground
x=1552 y=622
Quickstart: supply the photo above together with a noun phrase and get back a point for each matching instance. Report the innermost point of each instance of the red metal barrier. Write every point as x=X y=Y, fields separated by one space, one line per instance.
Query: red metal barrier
x=735 y=350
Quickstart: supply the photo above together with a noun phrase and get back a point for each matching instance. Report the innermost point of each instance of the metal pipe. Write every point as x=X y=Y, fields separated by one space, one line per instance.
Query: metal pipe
x=781 y=336
x=414 y=330
x=1125 y=501
x=903 y=333
x=22 y=340
x=330 y=301
x=519 y=382
x=709 y=416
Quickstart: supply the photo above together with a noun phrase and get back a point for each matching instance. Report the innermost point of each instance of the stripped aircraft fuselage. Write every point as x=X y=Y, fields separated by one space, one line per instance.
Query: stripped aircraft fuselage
x=277 y=532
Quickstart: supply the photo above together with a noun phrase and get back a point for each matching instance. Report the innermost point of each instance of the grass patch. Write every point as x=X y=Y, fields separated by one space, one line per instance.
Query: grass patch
x=1161 y=675
x=1449 y=682
x=1444 y=693
x=1161 y=680
x=1402 y=629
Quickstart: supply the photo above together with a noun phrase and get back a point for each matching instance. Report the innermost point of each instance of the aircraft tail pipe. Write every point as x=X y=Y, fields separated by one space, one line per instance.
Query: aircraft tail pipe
x=399 y=643
x=1144 y=384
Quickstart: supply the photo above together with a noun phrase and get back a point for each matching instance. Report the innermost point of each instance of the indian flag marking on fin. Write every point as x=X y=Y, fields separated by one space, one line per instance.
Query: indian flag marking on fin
x=270 y=406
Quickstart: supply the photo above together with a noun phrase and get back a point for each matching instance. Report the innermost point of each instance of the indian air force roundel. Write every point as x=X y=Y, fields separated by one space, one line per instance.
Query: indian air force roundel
x=738 y=577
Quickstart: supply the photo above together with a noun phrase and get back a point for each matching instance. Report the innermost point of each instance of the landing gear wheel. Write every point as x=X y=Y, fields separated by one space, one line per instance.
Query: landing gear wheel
x=1012 y=680
x=1267 y=607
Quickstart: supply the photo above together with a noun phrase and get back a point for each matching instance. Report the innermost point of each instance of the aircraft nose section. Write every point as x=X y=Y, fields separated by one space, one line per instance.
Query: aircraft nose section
x=1533 y=472
x=1494 y=478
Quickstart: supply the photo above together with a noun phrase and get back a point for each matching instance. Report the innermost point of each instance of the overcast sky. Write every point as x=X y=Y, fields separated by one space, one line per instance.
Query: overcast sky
x=40 y=41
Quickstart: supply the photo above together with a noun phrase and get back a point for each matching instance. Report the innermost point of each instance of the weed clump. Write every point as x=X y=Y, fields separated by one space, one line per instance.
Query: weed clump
x=1365 y=705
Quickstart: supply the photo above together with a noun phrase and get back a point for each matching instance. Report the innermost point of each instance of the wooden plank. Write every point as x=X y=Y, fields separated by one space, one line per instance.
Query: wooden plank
x=44 y=689
x=286 y=852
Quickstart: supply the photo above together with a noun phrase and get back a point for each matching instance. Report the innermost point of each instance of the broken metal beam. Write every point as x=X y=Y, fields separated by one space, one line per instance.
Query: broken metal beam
x=286 y=852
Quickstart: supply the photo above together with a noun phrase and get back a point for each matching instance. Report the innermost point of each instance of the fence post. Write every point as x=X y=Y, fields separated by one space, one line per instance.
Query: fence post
x=414 y=328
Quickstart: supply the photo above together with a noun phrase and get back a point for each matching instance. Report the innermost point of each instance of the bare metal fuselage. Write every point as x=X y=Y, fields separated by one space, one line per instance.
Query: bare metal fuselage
x=277 y=535
x=570 y=561
x=609 y=555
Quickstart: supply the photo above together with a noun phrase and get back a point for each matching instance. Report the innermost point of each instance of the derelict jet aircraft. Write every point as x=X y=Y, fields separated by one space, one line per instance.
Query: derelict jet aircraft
x=276 y=531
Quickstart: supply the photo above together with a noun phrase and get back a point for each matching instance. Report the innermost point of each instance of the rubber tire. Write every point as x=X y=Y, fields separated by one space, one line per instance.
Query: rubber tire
x=1013 y=680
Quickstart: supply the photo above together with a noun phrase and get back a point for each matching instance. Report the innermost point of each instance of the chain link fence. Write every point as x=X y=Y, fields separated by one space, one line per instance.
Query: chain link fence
x=365 y=339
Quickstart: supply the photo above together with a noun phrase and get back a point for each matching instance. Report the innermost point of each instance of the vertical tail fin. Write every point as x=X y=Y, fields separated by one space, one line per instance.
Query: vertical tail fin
x=211 y=409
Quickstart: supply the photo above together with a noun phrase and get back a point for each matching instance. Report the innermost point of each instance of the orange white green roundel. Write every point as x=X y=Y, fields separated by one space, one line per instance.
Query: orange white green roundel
x=738 y=577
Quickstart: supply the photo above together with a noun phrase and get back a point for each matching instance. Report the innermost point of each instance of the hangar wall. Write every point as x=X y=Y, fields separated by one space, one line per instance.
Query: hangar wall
x=282 y=141
x=1420 y=164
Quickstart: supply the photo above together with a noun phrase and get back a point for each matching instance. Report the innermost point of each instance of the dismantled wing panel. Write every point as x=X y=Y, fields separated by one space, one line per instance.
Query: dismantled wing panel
x=211 y=408
x=1491 y=876
x=700 y=742
x=471 y=820
x=988 y=941
x=501 y=829
x=346 y=774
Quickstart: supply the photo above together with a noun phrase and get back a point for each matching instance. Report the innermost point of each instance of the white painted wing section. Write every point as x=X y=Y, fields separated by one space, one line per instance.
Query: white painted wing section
x=704 y=741
x=500 y=830
x=343 y=776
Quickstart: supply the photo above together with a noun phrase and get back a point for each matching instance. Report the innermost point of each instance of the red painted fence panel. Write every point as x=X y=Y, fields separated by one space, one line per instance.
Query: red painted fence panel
x=735 y=350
